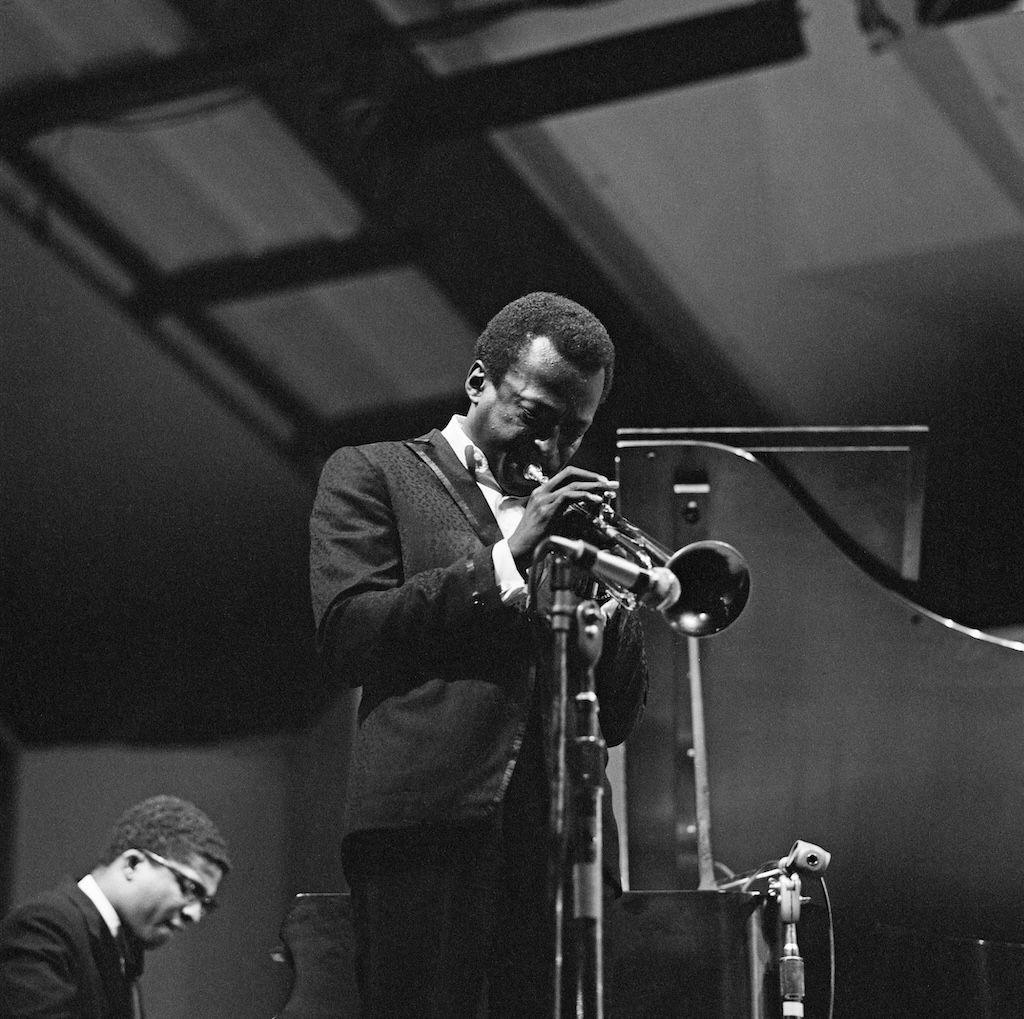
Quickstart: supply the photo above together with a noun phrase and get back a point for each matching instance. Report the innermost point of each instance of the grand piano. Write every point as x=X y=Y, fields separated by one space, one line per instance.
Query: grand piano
x=836 y=710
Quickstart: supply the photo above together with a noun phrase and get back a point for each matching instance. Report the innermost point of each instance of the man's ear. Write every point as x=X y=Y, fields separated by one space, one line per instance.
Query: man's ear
x=475 y=381
x=130 y=859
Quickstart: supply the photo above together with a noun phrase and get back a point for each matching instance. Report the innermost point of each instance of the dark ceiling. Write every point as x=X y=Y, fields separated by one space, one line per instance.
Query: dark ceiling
x=407 y=146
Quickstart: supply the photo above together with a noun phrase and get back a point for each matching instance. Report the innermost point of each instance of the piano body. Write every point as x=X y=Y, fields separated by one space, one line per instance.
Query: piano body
x=837 y=711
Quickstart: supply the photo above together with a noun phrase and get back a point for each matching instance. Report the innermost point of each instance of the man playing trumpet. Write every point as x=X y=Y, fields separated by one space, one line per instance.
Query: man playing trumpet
x=420 y=552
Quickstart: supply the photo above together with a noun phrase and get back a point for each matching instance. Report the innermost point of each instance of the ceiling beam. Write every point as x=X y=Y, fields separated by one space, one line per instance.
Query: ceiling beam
x=253 y=375
x=635 y=63
x=239 y=277
x=621 y=67
x=30 y=110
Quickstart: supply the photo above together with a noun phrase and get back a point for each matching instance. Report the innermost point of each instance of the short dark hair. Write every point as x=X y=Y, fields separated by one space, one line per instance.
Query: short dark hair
x=170 y=827
x=576 y=333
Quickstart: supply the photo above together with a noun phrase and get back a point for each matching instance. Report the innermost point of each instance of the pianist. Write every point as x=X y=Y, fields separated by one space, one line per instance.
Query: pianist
x=75 y=952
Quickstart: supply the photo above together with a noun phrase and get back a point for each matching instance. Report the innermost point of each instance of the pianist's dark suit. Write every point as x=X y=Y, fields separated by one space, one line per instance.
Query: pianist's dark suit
x=58 y=960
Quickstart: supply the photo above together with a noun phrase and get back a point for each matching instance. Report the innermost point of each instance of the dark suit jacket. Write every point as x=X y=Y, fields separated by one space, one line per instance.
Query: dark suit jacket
x=407 y=606
x=58 y=960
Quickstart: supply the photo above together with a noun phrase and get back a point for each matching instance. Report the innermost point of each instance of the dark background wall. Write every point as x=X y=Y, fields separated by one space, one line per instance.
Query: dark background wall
x=156 y=632
x=147 y=535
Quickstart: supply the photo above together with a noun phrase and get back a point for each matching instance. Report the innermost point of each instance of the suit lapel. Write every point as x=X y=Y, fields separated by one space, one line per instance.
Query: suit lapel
x=109 y=981
x=438 y=455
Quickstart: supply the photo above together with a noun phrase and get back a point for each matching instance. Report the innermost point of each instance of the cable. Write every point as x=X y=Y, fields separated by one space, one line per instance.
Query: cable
x=831 y=948
x=727 y=871
x=766 y=869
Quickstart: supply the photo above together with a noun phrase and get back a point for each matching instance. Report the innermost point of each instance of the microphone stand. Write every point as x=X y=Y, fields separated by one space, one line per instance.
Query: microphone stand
x=563 y=613
x=589 y=793
x=786 y=889
x=791 y=966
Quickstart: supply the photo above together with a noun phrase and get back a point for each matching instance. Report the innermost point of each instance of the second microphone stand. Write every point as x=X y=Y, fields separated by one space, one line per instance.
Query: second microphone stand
x=568 y=610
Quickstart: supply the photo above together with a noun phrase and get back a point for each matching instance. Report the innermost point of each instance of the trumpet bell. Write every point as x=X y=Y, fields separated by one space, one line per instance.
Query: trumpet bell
x=714 y=582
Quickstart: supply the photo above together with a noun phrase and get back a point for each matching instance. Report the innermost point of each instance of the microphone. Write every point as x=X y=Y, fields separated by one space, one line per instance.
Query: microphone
x=657 y=587
x=805 y=858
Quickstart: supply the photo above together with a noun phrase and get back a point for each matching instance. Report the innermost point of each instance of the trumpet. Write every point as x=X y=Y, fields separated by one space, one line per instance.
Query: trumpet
x=714 y=578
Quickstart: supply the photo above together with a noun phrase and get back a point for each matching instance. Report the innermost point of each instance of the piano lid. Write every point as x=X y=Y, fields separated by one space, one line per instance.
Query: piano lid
x=863 y=485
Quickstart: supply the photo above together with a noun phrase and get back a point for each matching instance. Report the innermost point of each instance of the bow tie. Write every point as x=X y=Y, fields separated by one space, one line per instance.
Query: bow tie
x=477 y=465
x=476 y=461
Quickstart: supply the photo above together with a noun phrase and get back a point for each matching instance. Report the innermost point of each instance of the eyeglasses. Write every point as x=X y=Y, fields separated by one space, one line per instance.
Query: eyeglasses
x=189 y=886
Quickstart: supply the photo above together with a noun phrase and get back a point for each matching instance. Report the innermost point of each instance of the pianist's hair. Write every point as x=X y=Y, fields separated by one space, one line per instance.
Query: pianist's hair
x=171 y=827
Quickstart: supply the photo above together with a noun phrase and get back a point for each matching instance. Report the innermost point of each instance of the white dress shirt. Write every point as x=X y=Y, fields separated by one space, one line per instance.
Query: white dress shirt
x=507 y=509
x=102 y=903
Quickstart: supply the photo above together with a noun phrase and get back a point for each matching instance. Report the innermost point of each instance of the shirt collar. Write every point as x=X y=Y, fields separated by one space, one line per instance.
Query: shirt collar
x=470 y=455
x=89 y=886
x=464 y=447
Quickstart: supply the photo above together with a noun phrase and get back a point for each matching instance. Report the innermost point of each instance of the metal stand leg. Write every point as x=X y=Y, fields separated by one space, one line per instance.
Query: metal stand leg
x=563 y=612
x=587 y=879
x=702 y=792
